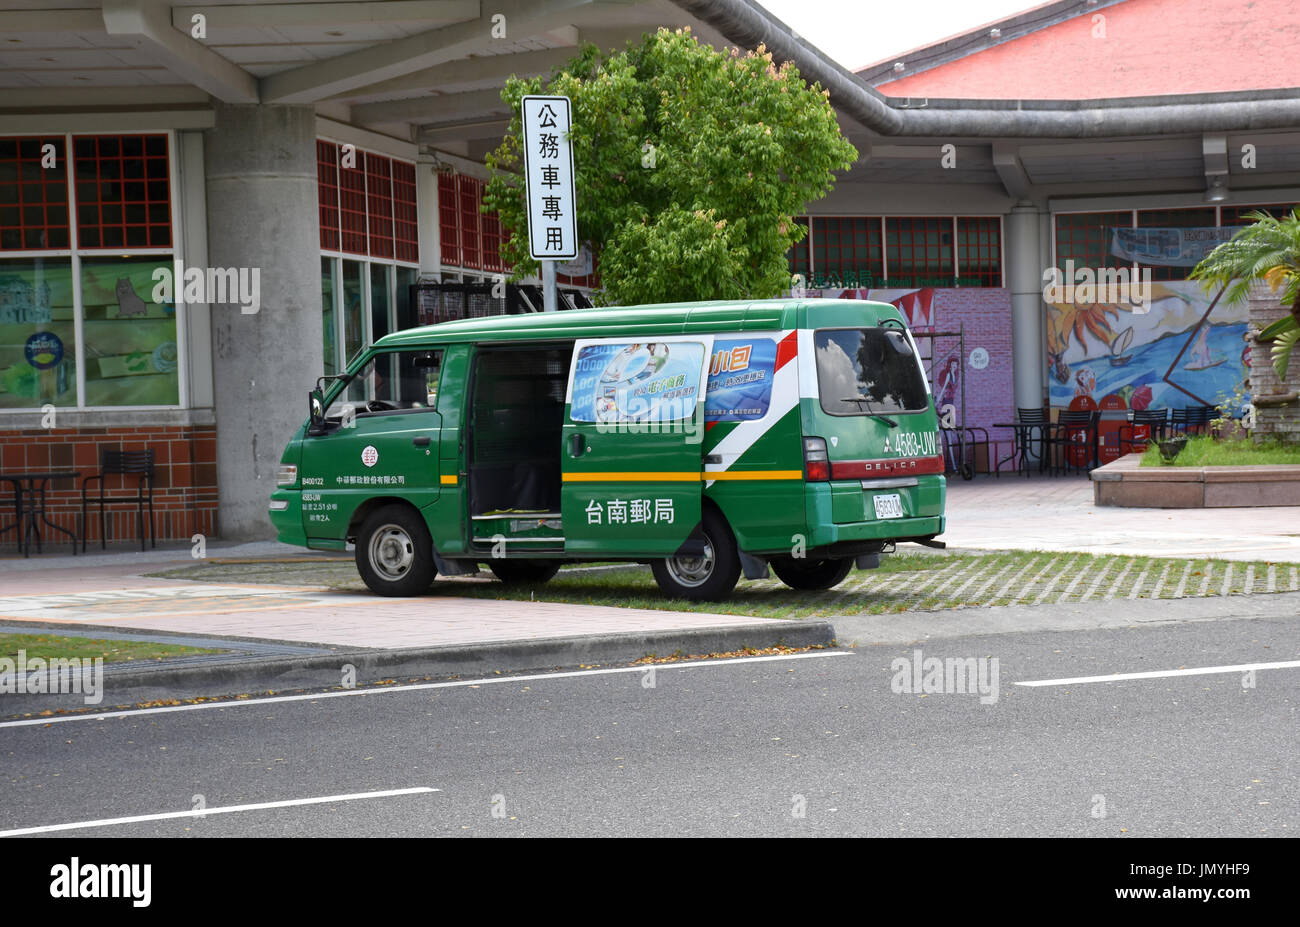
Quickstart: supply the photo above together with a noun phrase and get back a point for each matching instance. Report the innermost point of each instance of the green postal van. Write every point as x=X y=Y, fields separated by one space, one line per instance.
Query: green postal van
x=707 y=439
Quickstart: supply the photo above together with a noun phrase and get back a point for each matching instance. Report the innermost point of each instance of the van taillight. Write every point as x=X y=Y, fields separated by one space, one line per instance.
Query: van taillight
x=816 y=463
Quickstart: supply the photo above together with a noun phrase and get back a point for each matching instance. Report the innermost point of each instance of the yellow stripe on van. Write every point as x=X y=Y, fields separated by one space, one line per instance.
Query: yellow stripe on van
x=753 y=474
x=631 y=476
x=447 y=479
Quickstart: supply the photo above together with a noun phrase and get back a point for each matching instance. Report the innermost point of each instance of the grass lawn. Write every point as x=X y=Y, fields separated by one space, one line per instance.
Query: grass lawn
x=48 y=646
x=1204 y=451
x=909 y=581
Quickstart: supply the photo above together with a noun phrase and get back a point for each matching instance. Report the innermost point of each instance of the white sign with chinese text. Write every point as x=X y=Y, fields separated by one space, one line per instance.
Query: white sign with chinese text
x=548 y=171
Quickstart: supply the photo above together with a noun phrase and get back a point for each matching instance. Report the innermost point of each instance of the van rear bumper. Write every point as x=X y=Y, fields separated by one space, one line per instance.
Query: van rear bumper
x=893 y=529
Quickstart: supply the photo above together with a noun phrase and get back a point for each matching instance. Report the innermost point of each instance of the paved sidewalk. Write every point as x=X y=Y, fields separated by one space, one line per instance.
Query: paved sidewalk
x=1056 y=513
x=104 y=596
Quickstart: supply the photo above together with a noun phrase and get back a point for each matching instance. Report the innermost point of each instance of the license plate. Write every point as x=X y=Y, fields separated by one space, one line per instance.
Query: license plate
x=890 y=506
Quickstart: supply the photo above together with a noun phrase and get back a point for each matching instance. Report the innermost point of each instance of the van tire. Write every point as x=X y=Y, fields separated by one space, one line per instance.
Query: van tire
x=811 y=574
x=524 y=572
x=702 y=579
x=394 y=552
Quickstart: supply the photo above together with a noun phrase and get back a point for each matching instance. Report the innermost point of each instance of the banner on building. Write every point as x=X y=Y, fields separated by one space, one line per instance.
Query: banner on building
x=1168 y=247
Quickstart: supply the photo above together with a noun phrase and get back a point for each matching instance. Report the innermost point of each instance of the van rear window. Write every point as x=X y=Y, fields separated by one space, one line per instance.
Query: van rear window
x=861 y=371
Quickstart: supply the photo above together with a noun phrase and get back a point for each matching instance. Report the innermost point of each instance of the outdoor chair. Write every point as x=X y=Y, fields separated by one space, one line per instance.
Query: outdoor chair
x=1193 y=420
x=138 y=464
x=1030 y=438
x=1075 y=432
x=1154 y=423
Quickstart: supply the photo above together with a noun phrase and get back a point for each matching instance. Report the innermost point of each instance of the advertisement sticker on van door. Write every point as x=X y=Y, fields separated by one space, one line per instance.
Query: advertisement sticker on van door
x=740 y=379
x=631 y=453
x=645 y=382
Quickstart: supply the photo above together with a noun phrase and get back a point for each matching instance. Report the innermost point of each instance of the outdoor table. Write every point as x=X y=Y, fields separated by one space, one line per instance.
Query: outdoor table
x=32 y=485
x=1024 y=435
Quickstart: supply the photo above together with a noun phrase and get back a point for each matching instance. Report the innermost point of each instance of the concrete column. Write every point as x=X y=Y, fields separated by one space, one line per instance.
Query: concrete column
x=262 y=213
x=1025 y=280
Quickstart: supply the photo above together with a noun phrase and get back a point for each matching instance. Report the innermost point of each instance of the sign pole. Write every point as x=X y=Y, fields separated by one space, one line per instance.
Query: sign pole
x=550 y=294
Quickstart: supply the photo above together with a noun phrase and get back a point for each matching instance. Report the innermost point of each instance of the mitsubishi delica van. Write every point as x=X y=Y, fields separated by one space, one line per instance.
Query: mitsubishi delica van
x=706 y=439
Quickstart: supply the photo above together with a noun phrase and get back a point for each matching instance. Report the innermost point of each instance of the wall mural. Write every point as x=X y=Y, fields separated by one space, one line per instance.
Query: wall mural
x=1105 y=355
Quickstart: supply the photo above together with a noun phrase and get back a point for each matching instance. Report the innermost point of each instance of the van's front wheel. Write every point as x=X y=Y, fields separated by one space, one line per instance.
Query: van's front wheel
x=394 y=552
x=708 y=577
x=811 y=574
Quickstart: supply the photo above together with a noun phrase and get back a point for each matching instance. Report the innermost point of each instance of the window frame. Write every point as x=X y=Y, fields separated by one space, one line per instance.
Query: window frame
x=76 y=253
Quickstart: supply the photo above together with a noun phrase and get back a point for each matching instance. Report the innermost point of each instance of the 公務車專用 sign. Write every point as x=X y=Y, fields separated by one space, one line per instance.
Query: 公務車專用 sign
x=548 y=175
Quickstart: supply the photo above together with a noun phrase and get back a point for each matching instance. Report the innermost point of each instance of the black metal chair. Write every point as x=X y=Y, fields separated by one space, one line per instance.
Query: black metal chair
x=1156 y=423
x=1193 y=420
x=1032 y=438
x=1075 y=430
x=120 y=463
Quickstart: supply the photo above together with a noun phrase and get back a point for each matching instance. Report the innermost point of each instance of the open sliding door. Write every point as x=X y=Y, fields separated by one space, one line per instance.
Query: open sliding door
x=631 y=454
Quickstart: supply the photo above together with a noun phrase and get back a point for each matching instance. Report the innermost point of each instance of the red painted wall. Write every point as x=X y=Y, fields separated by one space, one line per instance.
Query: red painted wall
x=1151 y=47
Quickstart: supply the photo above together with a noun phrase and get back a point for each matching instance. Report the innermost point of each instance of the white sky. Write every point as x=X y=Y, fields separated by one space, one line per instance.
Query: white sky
x=860 y=32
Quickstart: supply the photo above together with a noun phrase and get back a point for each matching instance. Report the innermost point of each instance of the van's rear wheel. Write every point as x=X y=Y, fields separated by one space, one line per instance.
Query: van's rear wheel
x=707 y=577
x=520 y=572
x=811 y=574
x=394 y=552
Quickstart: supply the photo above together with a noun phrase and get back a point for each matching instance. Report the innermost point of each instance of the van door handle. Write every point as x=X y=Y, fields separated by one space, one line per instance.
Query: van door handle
x=422 y=441
x=577 y=444
x=713 y=458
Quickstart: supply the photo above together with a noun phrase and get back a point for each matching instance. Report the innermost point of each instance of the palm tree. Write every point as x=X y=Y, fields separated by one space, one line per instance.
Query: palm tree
x=1268 y=250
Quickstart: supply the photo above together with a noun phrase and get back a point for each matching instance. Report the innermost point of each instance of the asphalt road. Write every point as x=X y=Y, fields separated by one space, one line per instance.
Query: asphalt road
x=809 y=746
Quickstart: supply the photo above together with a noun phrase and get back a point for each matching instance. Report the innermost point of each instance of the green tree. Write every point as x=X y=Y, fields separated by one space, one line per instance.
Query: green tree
x=690 y=166
x=1267 y=250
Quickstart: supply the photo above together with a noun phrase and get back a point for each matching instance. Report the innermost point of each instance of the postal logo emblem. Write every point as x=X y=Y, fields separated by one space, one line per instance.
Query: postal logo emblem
x=370 y=456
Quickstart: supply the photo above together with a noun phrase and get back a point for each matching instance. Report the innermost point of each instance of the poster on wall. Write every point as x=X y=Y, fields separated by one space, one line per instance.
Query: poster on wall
x=637 y=382
x=1105 y=355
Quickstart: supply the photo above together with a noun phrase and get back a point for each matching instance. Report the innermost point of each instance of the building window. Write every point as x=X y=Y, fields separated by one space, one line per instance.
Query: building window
x=104 y=308
x=448 y=220
x=1085 y=238
x=327 y=180
x=33 y=194
x=406 y=217
x=1236 y=215
x=979 y=250
x=368 y=210
x=847 y=250
x=379 y=205
x=1197 y=217
x=38 y=336
x=471 y=238
x=919 y=251
x=367 y=207
x=352 y=208
x=131 y=353
x=123 y=191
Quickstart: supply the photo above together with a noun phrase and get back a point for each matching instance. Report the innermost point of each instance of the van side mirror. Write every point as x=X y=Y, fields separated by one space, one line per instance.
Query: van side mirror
x=316 y=412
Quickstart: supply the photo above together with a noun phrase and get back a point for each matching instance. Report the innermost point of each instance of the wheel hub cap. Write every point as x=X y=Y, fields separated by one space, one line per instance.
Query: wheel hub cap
x=391 y=552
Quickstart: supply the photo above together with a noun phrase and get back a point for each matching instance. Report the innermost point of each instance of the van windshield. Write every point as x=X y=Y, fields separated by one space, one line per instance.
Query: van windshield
x=866 y=371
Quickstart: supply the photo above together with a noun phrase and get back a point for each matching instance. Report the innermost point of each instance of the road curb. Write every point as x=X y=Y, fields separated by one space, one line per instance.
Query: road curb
x=262 y=674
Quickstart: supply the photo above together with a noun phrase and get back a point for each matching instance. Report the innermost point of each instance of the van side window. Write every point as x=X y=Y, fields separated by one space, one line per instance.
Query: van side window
x=395 y=381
